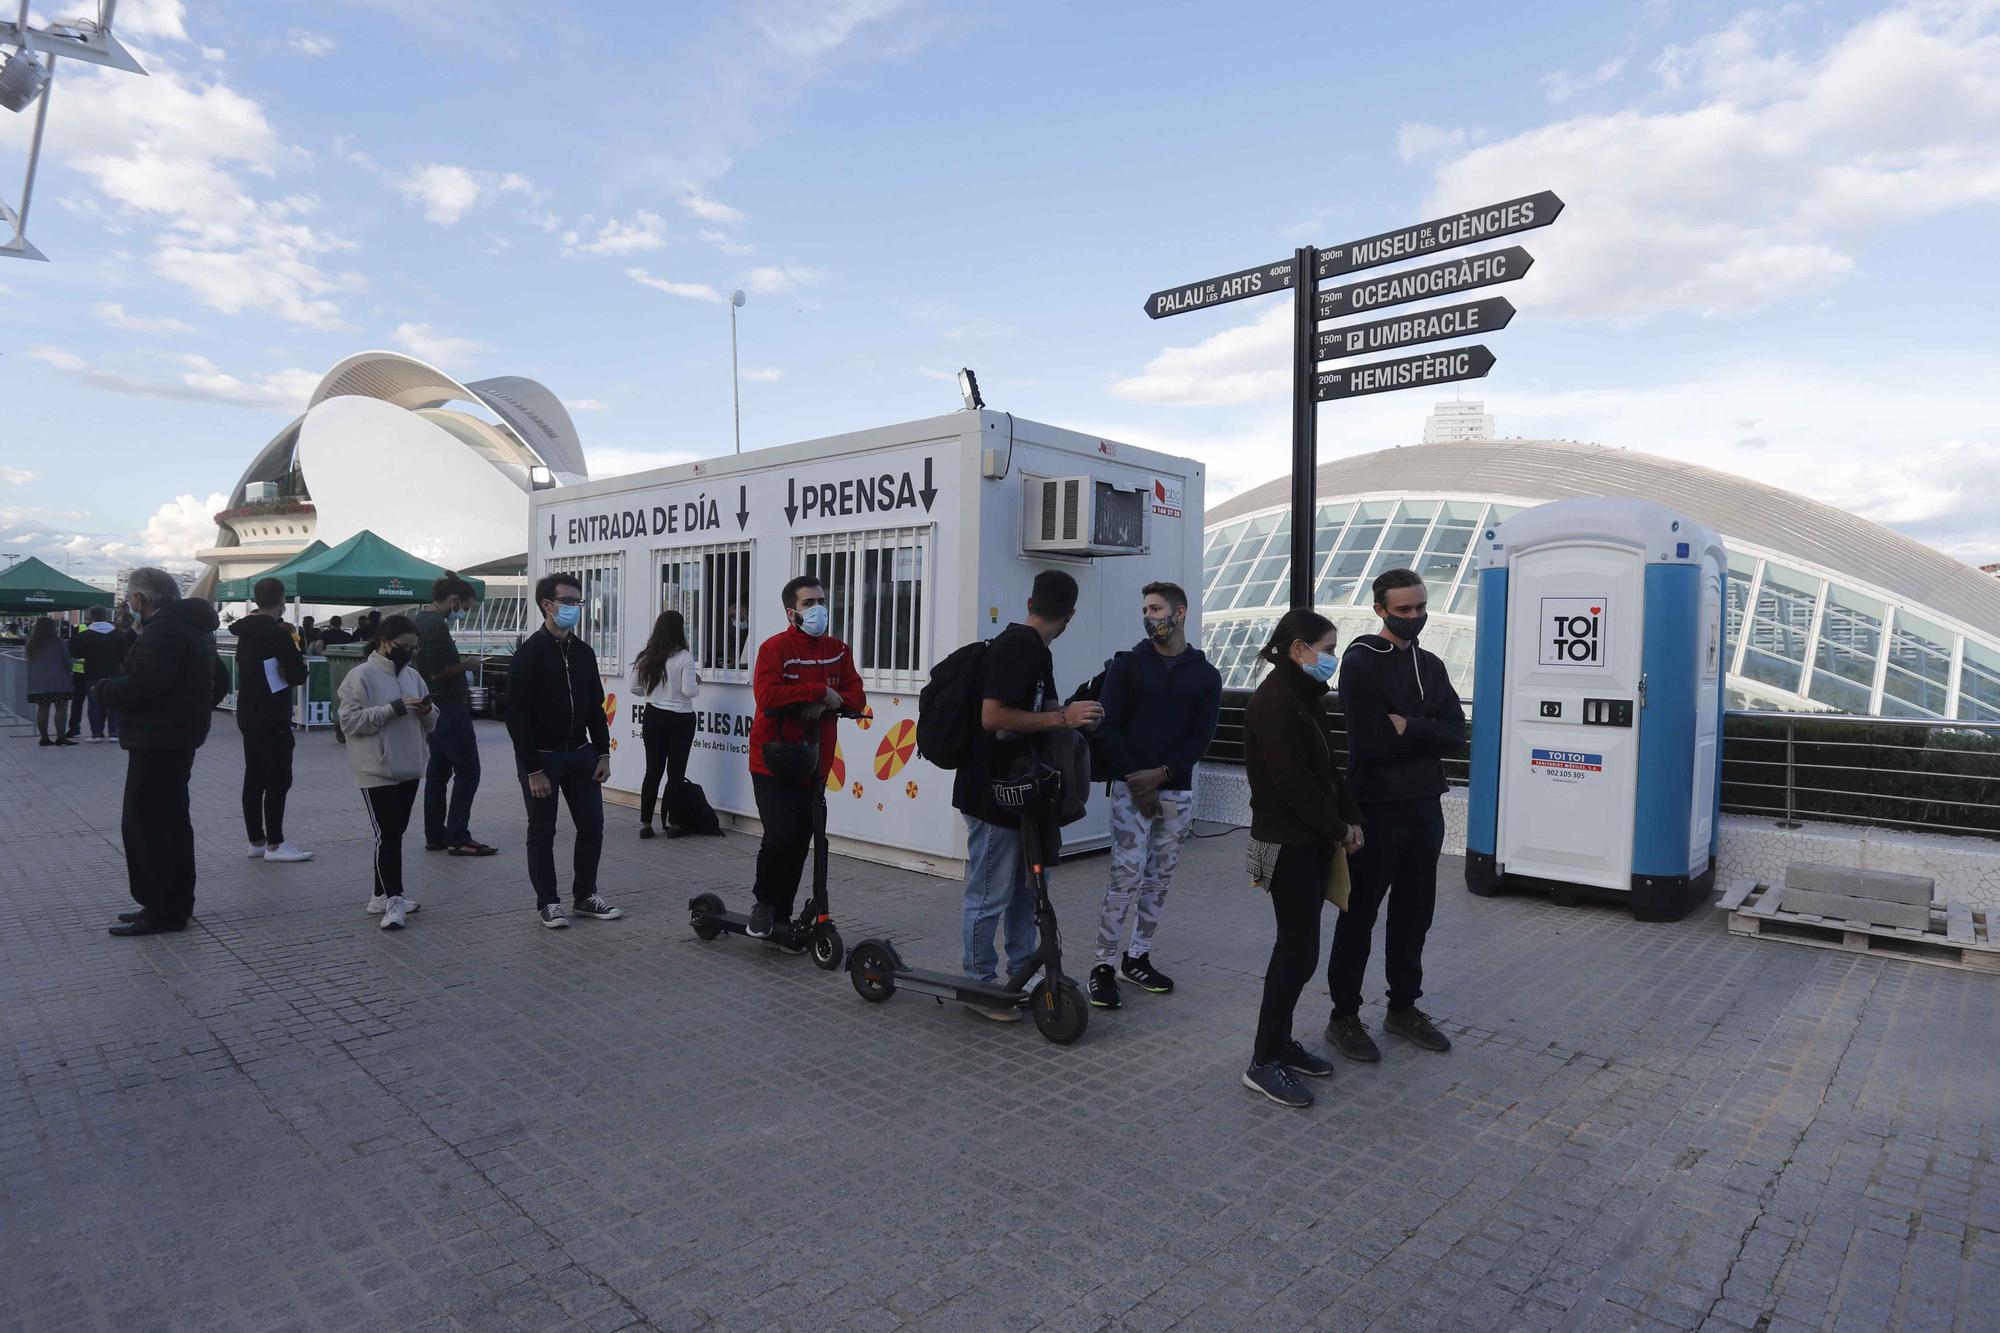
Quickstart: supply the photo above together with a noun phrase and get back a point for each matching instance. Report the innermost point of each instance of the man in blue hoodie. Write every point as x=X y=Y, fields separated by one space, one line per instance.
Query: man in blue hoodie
x=1403 y=719
x=1161 y=700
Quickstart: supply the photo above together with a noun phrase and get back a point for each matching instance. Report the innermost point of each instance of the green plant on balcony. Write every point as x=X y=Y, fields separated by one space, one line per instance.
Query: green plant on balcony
x=267 y=508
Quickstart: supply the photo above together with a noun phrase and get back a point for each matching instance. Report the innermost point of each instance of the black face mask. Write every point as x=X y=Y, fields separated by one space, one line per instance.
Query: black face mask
x=399 y=658
x=1406 y=628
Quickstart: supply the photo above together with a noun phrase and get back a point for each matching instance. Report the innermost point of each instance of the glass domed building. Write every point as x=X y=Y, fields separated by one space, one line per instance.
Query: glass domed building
x=1826 y=611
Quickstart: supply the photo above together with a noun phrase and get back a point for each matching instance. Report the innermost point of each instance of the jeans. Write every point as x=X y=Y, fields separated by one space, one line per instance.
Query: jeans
x=159 y=840
x=389 y=815
x=573 y=777
x=996 y=887
x=267 y=776
x=454 y=761
x=1298 y=891
x=669 y=736
x=787 y=811
x=103 y=722
x=1398 y=861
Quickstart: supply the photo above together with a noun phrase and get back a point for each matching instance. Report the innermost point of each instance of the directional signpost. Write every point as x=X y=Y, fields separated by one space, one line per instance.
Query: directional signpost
x=1312 y=303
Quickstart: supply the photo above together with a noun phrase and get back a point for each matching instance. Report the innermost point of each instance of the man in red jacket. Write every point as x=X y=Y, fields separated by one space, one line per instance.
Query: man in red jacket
x=805 y=678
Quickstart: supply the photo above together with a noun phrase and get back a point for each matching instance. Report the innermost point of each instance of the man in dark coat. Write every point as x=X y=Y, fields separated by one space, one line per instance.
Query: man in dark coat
x=171 y=683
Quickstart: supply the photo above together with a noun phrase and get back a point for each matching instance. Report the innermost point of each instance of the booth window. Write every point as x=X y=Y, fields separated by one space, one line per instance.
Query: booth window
x=599 y=626
x=875 y=587
x=710 y=587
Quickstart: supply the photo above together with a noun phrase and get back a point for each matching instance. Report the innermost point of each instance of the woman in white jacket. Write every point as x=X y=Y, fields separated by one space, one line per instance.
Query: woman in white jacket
x=386 y=714
x=664 y=672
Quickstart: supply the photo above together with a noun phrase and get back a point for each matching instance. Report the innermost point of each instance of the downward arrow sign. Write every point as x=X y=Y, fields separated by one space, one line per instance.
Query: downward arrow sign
x=552 y=530
x=791 y=501
x=742 y=508
x=929 y=492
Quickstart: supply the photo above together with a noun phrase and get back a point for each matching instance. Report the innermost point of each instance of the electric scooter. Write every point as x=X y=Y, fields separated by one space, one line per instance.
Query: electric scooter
x=813 y=928
x=1056 y=1002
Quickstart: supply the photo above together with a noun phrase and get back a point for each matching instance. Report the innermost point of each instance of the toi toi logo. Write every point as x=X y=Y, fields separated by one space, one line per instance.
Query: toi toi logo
x=1575 y=631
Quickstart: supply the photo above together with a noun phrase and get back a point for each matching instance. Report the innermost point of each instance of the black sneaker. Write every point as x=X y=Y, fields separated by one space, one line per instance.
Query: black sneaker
x=1139 y=970
x=1350 y=1037
x=596 y=909
x=1302 y=1061
x=1103 y=987
x=645 y=830
x=761 y=920
x=1276 y=1082
x=1413 y=1024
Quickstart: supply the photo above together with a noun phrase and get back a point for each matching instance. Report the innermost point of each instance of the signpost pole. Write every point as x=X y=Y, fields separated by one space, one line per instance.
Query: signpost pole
x=1305 y=423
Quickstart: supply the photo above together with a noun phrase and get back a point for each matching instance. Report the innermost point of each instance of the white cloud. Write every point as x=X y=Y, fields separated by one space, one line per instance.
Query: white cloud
x=310 y=44
x=726 y=243
x=708 y=210
x=693 y=291
x=443 y=350
x=448 y=192
x=174 y=149
x=764 y=376
x=113 y=314
x=1245 y=364
x=1773 y=179
x=585 y=405
x=773 y=278
x=1562 y=85
x=177 y=529
x=151 y=18
x=200 y=381
x=1415 y=139
x=808 y=30
x=646 y=231
x=15 y=476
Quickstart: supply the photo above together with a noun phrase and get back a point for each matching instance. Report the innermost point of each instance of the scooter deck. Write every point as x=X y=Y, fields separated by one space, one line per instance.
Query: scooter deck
x=958 y=986
x=736 y=923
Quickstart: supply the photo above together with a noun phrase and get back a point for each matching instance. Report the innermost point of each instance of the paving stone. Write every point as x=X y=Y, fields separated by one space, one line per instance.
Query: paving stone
x=286 y=1118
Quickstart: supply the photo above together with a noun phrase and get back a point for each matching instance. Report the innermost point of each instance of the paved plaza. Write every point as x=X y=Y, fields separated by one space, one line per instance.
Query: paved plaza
x=288 y=1119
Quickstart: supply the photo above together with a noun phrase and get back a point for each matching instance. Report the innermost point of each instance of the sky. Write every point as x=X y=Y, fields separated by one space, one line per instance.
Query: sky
x=1775 y=259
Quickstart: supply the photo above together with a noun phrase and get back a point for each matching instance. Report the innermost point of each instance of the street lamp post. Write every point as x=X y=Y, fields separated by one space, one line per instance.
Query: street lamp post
x=736 y=299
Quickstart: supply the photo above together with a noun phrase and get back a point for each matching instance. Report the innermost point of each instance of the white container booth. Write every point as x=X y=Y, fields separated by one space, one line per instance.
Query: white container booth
x=1597 y=705
x=927 y=535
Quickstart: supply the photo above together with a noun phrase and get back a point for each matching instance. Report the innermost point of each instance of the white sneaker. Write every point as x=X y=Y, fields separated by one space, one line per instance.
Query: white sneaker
x=378 y=905
x=392 y=916
x=286 y=851
x=256 y=851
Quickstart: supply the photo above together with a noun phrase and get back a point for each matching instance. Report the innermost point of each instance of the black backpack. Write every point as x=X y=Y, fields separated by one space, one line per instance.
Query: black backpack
x=688 y=810
x=948 y=707
x=1093 y=690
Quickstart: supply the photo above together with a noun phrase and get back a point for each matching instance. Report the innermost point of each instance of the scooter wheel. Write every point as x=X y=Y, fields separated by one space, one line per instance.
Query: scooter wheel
x=1059 y=1012
x=874 y=973
x=702 y=913
x=827 y=948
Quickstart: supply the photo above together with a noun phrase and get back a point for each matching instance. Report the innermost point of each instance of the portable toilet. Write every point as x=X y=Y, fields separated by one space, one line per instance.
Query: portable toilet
x=1597 y=705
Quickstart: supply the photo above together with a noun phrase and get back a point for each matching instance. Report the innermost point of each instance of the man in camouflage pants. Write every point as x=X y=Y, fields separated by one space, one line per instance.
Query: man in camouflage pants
x=1161 y=700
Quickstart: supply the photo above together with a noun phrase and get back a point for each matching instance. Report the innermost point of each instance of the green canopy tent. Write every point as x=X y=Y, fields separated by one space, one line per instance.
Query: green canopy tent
x=239 y=590
x=33 y=587
x=366 y=570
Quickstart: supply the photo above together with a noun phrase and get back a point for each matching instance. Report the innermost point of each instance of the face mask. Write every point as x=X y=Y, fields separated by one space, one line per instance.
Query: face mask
x=1406 y=628
x=567 y=615
x=399 y=658
x=1323 y=668
x=814 y=620
x=1160 y=631
x=455 y=616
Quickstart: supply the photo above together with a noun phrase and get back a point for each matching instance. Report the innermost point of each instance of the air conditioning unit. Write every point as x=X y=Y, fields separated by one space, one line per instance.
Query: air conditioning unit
x=1082 y=516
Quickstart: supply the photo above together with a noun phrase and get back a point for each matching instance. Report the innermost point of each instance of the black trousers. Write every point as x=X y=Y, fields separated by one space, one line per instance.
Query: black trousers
x=159 y=840
x=389 y=814
x=573 y=778
x=669 y=736
x=1398 y=861
x=787 y=812
x=79 y=696
x=1298 y=891
x=267 y=777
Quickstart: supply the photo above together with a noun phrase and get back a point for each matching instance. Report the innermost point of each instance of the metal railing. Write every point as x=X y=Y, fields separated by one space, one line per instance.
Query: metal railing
x=1931 y=774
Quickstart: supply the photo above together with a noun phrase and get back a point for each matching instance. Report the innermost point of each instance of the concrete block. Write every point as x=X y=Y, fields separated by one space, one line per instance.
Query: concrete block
x=1846 y=907
x=1856 y=883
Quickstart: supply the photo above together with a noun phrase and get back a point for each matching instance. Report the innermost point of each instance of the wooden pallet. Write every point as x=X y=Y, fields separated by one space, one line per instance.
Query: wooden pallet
x=1959 y=936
